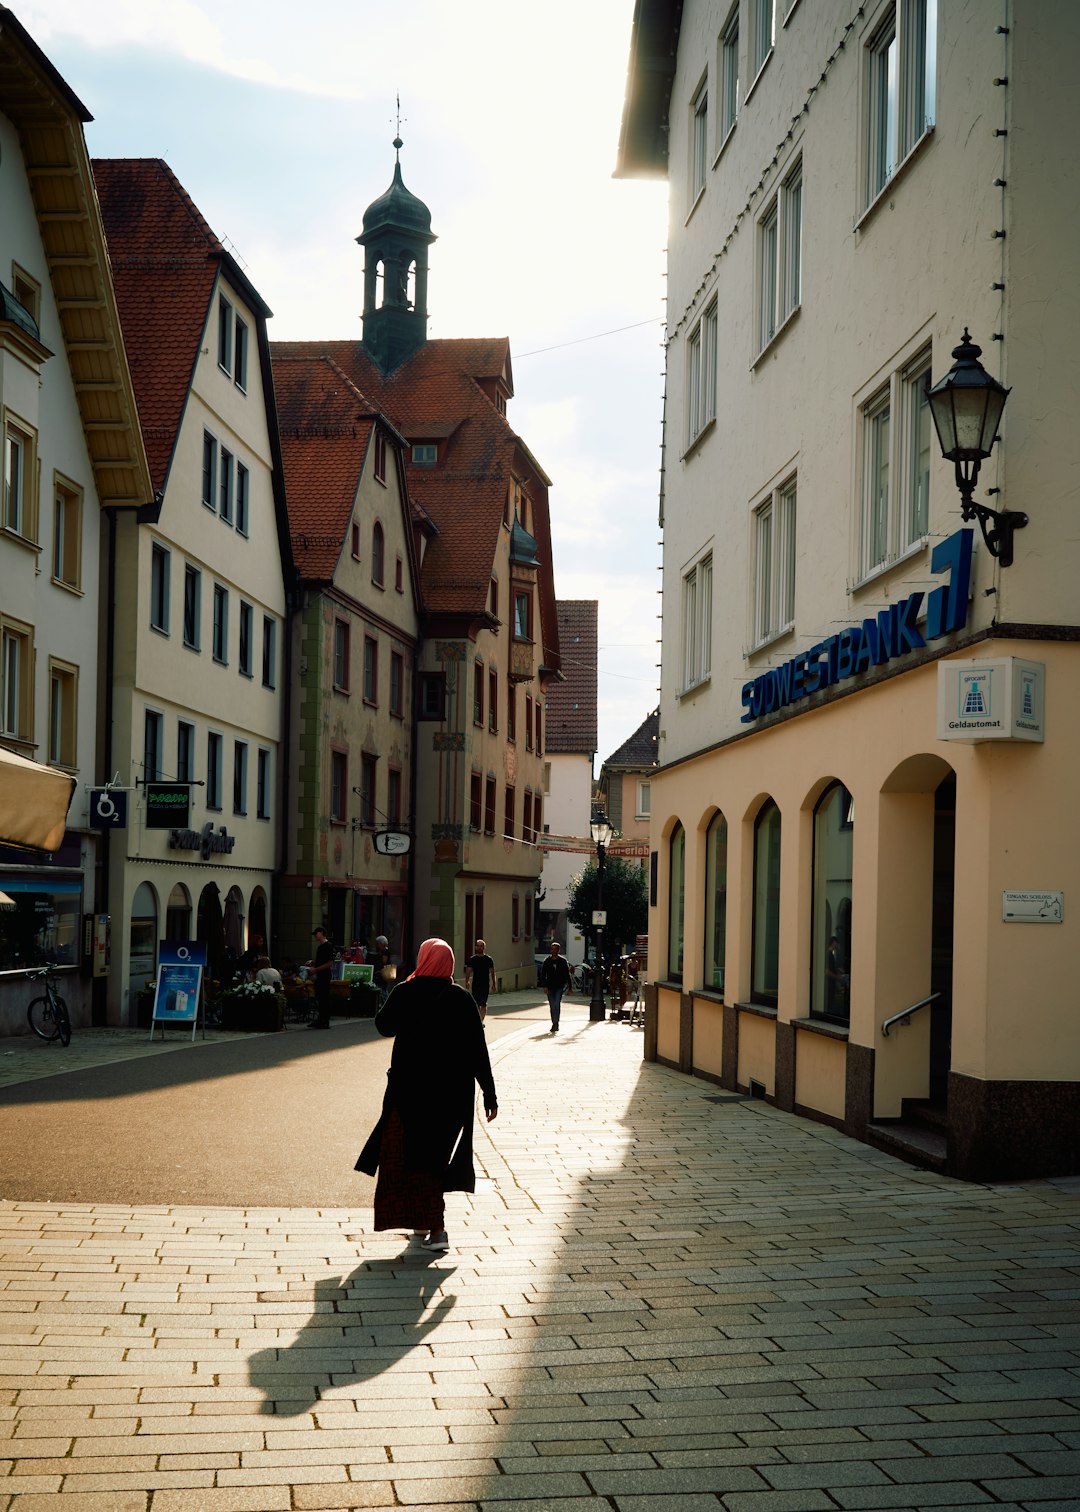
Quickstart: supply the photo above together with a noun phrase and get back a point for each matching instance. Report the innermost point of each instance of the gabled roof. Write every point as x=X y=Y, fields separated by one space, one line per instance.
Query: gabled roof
x=571 y=704
x=325 y=426
x=640 y=750
x=438 y=392
x=165 y=261
x=49 y=120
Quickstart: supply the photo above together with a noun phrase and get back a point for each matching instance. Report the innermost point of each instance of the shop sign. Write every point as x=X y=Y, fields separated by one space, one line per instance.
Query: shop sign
x=108 y=808
x=1002 y=698
x=167 y=804
x=204 y=841
x=1033 y=907
x=893 y=633
x=392 y=842
x=355 y=971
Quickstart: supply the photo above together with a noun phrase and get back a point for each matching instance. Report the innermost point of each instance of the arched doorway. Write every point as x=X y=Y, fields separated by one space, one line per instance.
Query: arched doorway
x=257 y=916
x=178 y=914
x=142 y=946
x=234 y=924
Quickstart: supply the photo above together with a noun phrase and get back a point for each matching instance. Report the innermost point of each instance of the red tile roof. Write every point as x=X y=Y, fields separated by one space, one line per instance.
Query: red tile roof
x=571 y=705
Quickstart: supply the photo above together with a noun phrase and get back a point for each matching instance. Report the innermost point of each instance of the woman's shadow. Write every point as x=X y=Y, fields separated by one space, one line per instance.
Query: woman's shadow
x=360 y=1327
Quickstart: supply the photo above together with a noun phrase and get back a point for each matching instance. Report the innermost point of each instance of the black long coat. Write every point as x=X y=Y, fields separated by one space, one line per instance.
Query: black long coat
x=440 y=1054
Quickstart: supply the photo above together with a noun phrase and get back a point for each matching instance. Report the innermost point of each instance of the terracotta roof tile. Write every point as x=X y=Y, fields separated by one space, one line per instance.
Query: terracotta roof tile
x=571 y=705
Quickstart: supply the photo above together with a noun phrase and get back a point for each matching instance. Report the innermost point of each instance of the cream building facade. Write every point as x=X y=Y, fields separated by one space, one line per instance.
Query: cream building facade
x=839 y=838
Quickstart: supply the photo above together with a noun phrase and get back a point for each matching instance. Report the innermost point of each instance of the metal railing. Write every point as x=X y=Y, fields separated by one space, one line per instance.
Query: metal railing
x=904 y=1016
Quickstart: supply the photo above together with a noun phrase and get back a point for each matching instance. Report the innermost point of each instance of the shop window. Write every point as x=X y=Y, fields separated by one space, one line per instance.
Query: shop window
x=716 y=844
x=830 y=944
x=676 y=903
x=44 y=924
x=765 y=974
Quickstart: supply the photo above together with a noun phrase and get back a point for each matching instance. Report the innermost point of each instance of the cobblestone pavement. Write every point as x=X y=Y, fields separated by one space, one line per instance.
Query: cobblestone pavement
x=663 y=1298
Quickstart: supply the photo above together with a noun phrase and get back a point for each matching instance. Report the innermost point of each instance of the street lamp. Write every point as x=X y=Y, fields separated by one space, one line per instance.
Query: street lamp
x=967 y=405
x=601 y=832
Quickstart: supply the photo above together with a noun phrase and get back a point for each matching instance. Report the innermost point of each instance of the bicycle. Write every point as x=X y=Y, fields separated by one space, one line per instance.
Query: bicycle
x=48 y=1016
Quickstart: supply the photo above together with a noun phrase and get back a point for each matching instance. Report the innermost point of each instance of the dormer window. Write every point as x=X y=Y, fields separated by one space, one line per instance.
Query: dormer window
x=425 y=454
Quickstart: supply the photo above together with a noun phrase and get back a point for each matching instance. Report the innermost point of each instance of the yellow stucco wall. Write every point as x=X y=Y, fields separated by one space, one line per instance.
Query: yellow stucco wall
x=667 y=1025
x=757 y=1051
x=708 y=1036
x=820 y=1072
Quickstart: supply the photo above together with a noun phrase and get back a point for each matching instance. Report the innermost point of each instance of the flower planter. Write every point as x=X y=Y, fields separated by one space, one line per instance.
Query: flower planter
x=264 y=1014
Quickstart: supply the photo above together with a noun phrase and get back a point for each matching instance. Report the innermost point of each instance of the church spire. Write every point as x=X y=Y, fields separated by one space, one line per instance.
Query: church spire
x=396 y=235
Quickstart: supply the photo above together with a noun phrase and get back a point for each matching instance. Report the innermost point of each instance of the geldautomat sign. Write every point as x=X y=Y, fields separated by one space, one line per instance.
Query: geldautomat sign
x=893 y=633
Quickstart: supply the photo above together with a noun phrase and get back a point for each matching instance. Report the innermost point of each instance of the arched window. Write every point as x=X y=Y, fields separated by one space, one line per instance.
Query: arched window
x=378 y=554
x=715 y=902
x=830 y=941
x=765 y=978
x=676 y=903
x=178 y=914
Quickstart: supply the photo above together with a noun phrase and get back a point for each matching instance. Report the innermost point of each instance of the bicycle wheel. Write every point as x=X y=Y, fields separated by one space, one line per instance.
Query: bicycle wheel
x=42 y=1020
x=63 y=1021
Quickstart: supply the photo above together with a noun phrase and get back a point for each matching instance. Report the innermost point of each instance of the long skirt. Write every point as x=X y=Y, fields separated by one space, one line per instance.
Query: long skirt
x=404 y=1199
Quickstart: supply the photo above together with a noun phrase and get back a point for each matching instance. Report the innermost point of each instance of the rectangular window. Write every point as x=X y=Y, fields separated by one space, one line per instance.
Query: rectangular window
x=478 y=693
x=877 y=451
x=762 y=33
x=425 y=455
x=643 y=806
x=67 y=534
x=397 y=685
x=380 y=457
x=528 y=722
x=63 y=703
x=153 y=734
x=393 y=797
x=508 y=812
x=225 y=486
x=247 y=634
x=243 y=507
x=225 y=334
x=367 y=790
x=221 y=624
x=240 y=776
x=538 y=816
x=780 y=257
x=355 y=541
x=883 y=100
x=341 y=658
x=192 y=605
x=699 y=139
x=900 y=89
x=476 y=802
x=240 y=363
x=916 y=518
x=432 y=695
x=489 y=806
x=511 y=712
x=399 y=575
x=27 y=291
x=773 y=598
x=515 y=915
x=701 y=389
x=214 y=744
x=269 y=652
x=538 y=709
x=526 y=817
x=371 y=670
x=20 y=479
x=262 y=784
x=160 y=573
x=493 y=598
x=209 y=471
x=339 y=787
x=697 y=623
x=895 y=467
x=185 y=751
x=493 y=699
x=729 y=74
x=16 y=681
x=522 y=617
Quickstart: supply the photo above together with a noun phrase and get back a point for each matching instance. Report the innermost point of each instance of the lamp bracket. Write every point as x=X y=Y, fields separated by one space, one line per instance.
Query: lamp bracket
x=997 y=526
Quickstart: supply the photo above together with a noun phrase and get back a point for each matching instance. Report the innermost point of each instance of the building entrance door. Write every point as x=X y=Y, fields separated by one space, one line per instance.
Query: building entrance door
x=941 y=958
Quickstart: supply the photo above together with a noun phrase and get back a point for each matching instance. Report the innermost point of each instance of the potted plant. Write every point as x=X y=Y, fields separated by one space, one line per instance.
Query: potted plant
x=253 y=1006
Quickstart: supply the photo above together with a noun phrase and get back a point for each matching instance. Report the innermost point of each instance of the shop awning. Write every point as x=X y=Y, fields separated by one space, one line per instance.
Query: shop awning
x=6 y=903
x=34 y=802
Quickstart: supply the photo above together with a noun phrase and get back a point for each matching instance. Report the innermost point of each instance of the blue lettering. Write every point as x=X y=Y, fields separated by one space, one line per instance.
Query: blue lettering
x=868 y=647
x=946 y=608
x=798 y=671
x=908 y=635
x=815 y=670
x=748 y=702
x=783 y=683
x=887 y=632
x=845 y=653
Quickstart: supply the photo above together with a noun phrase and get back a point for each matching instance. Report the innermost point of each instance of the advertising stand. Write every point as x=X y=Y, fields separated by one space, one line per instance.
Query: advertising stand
x=178 y=991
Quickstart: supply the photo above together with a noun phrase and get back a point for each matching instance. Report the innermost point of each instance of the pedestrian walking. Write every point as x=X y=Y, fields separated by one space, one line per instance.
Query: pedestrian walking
x=421 y=1146
x=554 y=979
x=320 y=969
x=479 y=975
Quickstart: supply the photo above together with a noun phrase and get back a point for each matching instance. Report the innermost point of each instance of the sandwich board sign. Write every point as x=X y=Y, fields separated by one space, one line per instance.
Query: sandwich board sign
x=179 y=981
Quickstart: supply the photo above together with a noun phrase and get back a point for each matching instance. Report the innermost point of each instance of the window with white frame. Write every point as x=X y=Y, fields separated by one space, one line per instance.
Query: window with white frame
x=63 y=703
x=209 y=471
x=67 y=533
x=240 y=776
x=701 y=374
x=192 y=606
x=214 y=744
x=153 y=738
x=901 y=86
x=225 y=486
x=643 y=803
x=780 y=257
x=160 y=573
x=240 y=362
x=247 y=636
x=20 y=471
x=699 y=138
x=225 y=334
x=762 y=28
x=262 y=785
x=773 y=595
x=894 y=507
x=269 y=652
x=697 y=592
x=185 y=751
x=221 y=623
x=242 y=492
x=728 y=74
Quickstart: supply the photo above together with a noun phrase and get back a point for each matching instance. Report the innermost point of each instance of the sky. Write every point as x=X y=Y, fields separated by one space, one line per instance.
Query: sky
x=280 y=129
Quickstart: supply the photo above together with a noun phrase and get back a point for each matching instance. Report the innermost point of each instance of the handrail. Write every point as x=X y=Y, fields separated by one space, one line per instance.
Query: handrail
x=907 y=1012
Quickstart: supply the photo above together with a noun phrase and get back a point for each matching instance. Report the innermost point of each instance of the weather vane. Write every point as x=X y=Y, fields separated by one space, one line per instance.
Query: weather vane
x=398 y=144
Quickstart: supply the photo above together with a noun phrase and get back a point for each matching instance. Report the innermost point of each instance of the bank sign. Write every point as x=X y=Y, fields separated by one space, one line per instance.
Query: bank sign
x=893 y=633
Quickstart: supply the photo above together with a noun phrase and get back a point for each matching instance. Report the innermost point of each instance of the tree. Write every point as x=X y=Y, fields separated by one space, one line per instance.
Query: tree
x=625 y=901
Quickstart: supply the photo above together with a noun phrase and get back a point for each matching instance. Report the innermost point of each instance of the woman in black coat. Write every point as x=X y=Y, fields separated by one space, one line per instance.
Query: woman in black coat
x=422 y=1144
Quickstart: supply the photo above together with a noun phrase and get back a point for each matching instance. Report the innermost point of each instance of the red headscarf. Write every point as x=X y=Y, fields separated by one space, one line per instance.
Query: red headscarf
x=436 y=959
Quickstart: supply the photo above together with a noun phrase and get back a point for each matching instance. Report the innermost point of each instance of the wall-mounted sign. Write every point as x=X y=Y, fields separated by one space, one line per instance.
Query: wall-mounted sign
x=893 y=633
x=167 y=804
x=108 y=808
x=1033 y=907
x=1002 y=698
x=392 y=842
x=599 y=917
x=204 y=841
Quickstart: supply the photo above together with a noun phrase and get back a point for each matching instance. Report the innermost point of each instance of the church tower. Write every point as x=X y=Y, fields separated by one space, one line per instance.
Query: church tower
x=396 y=235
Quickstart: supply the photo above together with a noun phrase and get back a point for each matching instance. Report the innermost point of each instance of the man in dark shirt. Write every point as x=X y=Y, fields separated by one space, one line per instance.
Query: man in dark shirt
x=320 y=970
x=555 y=979
x=479 y=975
